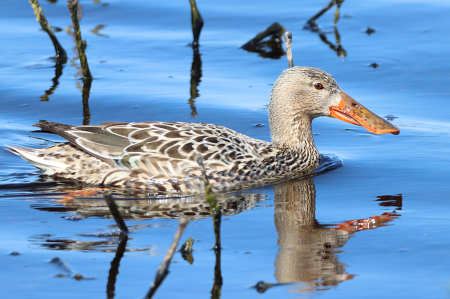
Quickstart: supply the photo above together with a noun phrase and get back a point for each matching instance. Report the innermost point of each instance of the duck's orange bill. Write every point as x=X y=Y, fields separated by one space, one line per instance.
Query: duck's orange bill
x=353 y=112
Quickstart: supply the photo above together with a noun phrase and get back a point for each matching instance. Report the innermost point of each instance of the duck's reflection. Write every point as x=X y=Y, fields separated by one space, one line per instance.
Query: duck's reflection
x=193 y=207
x=306 y=248
x=307 y=252
x=308 y=255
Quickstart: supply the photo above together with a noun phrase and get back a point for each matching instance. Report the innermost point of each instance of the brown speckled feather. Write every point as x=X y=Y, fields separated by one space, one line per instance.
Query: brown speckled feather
x=160 y=156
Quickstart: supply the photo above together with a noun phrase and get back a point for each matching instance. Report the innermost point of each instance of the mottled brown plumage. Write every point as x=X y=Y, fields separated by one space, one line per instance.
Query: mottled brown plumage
x=160 y=156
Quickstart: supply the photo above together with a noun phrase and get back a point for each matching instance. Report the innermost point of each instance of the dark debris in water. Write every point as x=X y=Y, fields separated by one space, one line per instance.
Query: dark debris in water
x=262 y=287
x=15 y=253
x=60 y=263
x=66 y=268
x=73 y=217
x=390 y=117
x=79 y=277
x=267 y=43
x=186 y=250
x=374 y=65
x=369 y=31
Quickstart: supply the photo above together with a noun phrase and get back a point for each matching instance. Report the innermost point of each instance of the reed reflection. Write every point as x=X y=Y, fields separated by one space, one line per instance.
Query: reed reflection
x=60 y=54
x=66 y=244
x=308 y=250
x=114 y=270
x=196 y=69
x=59 y=66
x=196 y=75
x=340 y=51
x=311 y=25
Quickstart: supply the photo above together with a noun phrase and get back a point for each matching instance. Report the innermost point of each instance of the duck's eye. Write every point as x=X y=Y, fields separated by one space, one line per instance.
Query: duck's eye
x=318 y=86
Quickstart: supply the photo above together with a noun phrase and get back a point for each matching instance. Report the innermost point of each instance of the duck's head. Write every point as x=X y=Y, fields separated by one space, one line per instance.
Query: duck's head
x=301 y=94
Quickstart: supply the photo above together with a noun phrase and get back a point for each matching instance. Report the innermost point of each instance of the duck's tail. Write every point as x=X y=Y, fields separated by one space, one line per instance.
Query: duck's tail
x=37 y=158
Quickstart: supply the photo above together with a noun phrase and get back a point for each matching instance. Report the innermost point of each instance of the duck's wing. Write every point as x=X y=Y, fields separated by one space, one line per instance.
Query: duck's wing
x=165 y=149
x=94 y=140
x=171 y=148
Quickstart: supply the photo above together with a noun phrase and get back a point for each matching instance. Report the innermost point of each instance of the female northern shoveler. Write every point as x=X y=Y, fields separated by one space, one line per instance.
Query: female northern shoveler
x=160 y=156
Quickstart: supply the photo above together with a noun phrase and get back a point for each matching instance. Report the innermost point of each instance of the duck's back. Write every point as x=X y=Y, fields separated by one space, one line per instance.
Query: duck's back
x=150 y=155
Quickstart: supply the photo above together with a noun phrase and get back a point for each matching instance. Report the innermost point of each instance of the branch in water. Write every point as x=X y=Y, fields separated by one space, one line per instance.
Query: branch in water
x=61 y=55
x=163 y=269
x=73 y=7
x=197 y=23
x=270 y=48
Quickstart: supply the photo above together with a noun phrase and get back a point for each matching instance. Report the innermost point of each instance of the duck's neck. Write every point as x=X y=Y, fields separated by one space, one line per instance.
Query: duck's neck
x=294 y=134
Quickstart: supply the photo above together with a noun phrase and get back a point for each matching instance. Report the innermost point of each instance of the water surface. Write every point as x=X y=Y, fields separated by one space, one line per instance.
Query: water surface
x=327 y=236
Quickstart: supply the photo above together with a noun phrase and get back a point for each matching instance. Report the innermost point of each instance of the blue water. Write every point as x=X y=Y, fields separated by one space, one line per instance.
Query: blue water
x=142 y=71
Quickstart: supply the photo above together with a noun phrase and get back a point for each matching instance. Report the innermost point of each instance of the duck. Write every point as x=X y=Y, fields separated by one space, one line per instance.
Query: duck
x=161 y=157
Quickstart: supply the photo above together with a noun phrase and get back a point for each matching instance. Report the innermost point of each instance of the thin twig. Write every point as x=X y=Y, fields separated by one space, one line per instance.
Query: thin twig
x=320 y=13
x=163 y=269
x=73 y=7
x=115 y=212
x=61 y=55
x=288 y=44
